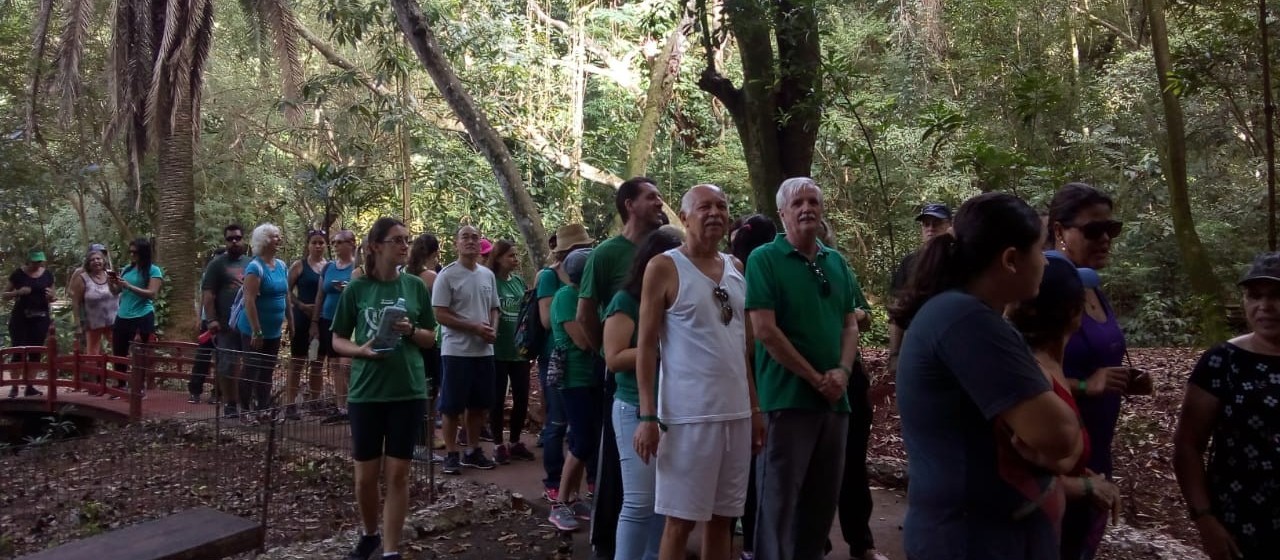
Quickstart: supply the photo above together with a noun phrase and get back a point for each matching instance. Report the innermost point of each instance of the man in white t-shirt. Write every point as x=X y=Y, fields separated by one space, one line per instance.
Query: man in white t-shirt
x=691 y=306
x=465 y=298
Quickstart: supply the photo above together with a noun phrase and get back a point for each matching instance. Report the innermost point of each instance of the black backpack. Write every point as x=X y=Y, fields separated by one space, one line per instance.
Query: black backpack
x=531 y=336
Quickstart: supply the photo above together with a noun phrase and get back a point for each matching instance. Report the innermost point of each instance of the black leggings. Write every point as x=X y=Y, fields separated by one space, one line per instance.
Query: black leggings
x=518 y=374
x=259 y=367
x=124 y=331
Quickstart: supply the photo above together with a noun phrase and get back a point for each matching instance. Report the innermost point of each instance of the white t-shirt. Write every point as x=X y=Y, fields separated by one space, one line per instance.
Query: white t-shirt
x=470 y=294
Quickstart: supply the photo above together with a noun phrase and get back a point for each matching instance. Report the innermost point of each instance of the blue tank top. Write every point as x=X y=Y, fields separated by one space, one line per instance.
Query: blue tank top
x=1097 y=345
x=308 y=283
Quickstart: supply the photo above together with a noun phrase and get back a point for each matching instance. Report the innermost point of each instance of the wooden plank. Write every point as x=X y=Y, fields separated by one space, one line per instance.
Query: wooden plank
x=194 y=534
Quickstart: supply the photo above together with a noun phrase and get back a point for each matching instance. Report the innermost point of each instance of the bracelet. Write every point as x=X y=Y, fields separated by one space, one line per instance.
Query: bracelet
x=1082 y=387
x=647 y=417
x=257 y=334
x=1088 y=486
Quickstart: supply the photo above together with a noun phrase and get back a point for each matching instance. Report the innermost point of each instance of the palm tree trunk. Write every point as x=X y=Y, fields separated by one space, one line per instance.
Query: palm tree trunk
x=175 y=231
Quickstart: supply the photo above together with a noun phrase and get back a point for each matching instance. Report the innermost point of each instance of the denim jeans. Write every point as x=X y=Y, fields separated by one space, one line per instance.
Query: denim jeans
x=639 y=529
x=553 y=429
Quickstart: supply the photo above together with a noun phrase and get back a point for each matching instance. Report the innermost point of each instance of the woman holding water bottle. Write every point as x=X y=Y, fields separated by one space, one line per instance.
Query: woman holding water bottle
x=383 y=321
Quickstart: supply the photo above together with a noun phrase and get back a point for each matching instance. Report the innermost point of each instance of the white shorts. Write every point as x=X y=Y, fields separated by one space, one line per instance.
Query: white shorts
x=703 y=469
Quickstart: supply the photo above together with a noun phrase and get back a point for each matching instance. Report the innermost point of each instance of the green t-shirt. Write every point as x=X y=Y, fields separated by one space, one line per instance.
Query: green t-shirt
x=510 y=294
x=607 y=270
x=547 y=285
x=564 y=306
x=811 y=316
x=628 y=391
x=399 y=375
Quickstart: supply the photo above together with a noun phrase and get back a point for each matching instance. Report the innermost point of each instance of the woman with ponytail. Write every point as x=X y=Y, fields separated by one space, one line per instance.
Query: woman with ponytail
x=985 y=435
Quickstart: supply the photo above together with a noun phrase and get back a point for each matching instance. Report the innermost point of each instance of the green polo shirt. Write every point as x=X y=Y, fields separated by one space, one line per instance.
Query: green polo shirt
x=607 y=271
x=780 y=278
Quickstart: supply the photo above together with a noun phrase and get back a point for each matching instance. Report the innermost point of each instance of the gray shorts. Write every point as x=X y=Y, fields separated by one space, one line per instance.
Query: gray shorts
x=229 y=354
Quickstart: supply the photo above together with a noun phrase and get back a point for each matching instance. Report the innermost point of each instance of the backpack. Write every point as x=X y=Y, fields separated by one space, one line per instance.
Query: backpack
x=237 y=303
x=531 y=336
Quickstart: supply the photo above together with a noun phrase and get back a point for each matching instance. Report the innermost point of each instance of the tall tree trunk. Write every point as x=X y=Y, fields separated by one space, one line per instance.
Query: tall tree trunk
x=1204 y=283
x=776 y=111
x=662 y=78
x=1269 y=108
x=423 y=40
x=175 y=249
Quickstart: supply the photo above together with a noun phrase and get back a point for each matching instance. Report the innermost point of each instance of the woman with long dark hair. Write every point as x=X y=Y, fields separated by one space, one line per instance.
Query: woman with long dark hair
x=512 y=368
x=1082 y=228
x=304 y=286
x=138 y=285
x=388 y=395
x=639 y=528
x=985 y=435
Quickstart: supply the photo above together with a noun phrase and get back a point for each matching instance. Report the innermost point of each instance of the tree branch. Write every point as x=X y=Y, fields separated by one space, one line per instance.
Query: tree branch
x=1108 y=26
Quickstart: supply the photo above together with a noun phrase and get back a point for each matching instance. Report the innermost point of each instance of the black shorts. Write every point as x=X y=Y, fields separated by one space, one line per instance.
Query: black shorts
x=467 y=385
x=326 y=339
x=385 y=428
x=300 y=340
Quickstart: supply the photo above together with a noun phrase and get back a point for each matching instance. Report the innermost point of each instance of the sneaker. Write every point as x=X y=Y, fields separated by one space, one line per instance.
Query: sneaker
x=31 y=392
x=462 y=437
x=291 y=413
x=551 y=495
x=476 y=460
x=486 y=435
x=519 y=451
x=212 y=400
x=562 y=517
x=452 y=464
x=581 y=510
x=193 y=399
x=367 y=545
x=500 y=455
x=422 y=454
x=13 y=392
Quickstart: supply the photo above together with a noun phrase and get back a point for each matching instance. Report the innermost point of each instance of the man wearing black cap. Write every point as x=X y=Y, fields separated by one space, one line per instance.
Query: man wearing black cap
x=934 y=219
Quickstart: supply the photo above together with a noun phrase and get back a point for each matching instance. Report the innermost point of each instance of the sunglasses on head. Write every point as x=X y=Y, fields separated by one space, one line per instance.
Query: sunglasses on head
x=1094 y=230
x=824 y=284
x=726 y=312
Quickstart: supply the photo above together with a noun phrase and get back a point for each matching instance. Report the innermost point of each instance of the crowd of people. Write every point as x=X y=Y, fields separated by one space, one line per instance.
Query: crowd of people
x=711 y=374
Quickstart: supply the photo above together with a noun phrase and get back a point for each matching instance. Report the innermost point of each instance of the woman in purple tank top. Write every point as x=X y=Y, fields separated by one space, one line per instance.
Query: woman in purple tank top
x=1082 y=227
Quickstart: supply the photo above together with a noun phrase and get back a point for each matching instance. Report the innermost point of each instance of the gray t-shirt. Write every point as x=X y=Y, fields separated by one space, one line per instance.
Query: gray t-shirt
x=961 y=366
x=470 y=294
x=223 y=277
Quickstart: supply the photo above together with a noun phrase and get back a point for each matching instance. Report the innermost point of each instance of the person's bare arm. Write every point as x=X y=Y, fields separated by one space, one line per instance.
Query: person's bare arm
x=208 y=304
x=448 y=318
x=619 y=355
x=153 y=288
x=1200 y=410
x=838 y=379
x=757 y=419
x=588 y=316
x=544 y=312
x=895 y=346
x=75 y=287
x=252 y=284
x=863 y=318
x=764 y=323
x=295 y=271
x=577 y=335
x=659 y=276
x=1046 y=431
x=11 y=292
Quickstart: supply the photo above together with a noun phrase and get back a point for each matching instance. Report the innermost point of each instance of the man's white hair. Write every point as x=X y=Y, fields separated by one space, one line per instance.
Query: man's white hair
x=686 y=201
x=261 y=235
x=791 y=186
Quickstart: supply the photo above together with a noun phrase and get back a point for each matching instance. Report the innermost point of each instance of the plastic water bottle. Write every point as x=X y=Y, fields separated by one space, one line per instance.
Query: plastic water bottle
x=387 y=339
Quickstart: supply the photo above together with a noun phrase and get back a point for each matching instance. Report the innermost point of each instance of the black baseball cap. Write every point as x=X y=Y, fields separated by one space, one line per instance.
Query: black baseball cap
x=1265 y=267
x=935 y=209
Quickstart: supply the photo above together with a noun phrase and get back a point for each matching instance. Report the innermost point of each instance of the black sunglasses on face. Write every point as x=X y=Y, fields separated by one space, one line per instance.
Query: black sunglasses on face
x=234 y=238
x=825 y=286
x=726 y=312
x=1094 y=230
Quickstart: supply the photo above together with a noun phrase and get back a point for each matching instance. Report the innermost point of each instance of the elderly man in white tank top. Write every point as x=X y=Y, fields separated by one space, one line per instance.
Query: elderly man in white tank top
x=703 y=426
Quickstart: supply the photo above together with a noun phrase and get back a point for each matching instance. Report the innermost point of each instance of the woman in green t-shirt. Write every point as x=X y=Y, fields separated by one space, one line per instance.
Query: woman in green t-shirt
x=639 y=529
x=510 y=365
x=580 y=391
x=388 y=394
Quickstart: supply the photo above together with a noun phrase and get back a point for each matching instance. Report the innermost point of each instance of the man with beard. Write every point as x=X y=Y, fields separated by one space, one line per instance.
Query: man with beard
x=639 y=204
x=803 y=310
x=691 y=310
x=221 y=281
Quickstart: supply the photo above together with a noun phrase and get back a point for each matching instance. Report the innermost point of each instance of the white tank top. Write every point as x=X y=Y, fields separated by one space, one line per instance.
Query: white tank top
x=704 y=369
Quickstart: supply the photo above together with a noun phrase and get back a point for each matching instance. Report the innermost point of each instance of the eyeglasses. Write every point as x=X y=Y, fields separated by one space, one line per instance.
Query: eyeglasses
x=399 y=239
x=1094 y=230
x=234 y=238
x=726 y=312
x=825 y=285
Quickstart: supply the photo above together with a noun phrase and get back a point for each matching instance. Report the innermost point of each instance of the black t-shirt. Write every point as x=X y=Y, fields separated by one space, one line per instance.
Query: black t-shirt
x=900 y=276
x=34 y=304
